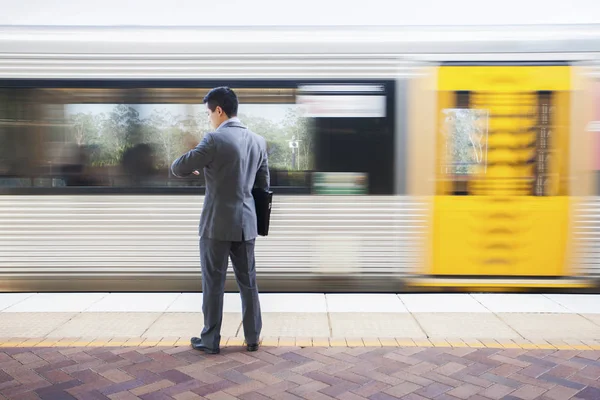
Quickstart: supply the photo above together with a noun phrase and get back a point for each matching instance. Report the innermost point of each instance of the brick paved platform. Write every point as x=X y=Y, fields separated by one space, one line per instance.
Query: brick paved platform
x=381 y=373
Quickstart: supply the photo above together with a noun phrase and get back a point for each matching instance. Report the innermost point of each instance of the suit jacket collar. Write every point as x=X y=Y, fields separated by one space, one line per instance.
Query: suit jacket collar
x=234 y=121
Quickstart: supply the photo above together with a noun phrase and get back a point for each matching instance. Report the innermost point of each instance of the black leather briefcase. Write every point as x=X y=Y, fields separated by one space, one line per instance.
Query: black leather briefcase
x=263 y=199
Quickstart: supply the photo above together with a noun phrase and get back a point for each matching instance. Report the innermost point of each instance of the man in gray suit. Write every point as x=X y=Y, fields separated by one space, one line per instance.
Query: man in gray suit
x=234 y=160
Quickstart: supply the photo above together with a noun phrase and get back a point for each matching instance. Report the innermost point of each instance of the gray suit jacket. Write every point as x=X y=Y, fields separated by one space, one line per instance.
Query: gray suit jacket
x=234 y=160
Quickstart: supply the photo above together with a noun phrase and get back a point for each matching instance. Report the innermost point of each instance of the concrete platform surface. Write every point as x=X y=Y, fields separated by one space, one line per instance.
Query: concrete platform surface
x=509 y=320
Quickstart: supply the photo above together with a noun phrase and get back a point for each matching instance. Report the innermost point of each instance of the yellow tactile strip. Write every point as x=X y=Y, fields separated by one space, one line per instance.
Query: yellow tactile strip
x=307 y=342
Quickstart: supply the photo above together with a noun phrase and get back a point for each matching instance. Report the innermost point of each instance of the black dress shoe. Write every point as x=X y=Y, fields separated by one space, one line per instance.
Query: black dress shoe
x=197 y=344
x=252 y=347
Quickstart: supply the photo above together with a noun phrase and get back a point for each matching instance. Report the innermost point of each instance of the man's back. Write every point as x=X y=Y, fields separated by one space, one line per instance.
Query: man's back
x=228 y=204
x=235 y=161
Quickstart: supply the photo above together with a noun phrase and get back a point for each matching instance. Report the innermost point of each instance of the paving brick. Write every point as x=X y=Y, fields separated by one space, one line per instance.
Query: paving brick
x=16 y=390
x=474 y=380
x=116 y=375
x=312 y=373
x=291 y=376
x=389 y=368
x=27 y=358
x=267 y=379
x=123 y=396
x=145 y=376
x=183 y=387
x=449 y=368
x=560 y=393
x=200 y=374
x=257 y=364
x=497 y=391
x=61 y=387
x=252 y=396
x=213 y=387
x=378 y=376
x=308 y=387
x=442 y=379
x=382 y=396
x=476 y=369
x=534 y=371
x=325 y=378
x=502 y=380
x=448 y=357
x=370 y=389
x=584 y=381
x=419 y=380
x=314 y=366
x=352 y=377
x=152 y=387
x=562 y=381
x=562 y=371
x=336 y=390
x=121 y=387
x=250 y=386
x=590 y=371
x=175 y=376
x=27 y=396
x=529 y=392
x=295 y=357
x=465 y=391
x=508 y=360
x=589 y=393
x=537 y=361
x=433 y=390
x=352 y=396
x=155 y=396
x=220 y=396
x=187 y=396
x=421 y=367
x=277 y=388
x=8 y=385
x=58 y=395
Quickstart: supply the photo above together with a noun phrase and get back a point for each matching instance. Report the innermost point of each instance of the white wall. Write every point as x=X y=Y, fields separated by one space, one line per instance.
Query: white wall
x=297 y=12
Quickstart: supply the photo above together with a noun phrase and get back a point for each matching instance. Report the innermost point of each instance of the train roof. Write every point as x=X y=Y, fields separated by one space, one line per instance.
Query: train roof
x=272 y=52
x=369 y=40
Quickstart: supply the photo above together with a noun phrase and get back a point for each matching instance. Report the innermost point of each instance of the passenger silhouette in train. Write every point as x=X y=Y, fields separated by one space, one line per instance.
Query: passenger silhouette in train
x=138 y=164
x=77 y=173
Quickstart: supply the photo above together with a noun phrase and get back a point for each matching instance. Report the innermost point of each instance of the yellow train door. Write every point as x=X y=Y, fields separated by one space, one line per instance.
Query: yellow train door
x=501 y=205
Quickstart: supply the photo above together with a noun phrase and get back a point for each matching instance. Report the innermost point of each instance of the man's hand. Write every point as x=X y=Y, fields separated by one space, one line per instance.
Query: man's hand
x=196 y=173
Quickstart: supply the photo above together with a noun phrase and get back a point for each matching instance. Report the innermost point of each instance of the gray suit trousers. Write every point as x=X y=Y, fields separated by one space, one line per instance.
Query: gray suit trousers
x=213 y=258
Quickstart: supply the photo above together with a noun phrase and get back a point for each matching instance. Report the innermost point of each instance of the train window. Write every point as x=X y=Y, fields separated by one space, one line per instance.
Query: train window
x=354 y=138
x=120 y=137
x=466 y=138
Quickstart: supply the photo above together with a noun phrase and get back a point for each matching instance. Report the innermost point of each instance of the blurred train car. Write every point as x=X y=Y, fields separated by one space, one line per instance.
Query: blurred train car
x=401 y=159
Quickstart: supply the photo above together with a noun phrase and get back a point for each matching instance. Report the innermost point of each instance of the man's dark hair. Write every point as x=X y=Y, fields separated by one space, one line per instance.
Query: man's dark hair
x=223 y=97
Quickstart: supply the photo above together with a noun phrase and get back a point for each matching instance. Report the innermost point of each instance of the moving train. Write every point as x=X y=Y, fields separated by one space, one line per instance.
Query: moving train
x=460 y=158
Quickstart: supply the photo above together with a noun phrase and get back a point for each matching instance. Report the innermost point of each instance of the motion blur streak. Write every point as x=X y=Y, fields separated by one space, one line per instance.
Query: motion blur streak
x=401 y=159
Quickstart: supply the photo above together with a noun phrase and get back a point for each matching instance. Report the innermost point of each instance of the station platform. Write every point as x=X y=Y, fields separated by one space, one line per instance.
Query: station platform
x=314 y=346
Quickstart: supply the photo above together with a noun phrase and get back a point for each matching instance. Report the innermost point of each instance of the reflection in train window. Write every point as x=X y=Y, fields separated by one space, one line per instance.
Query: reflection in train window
x=129 y=137
x=465 y=133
